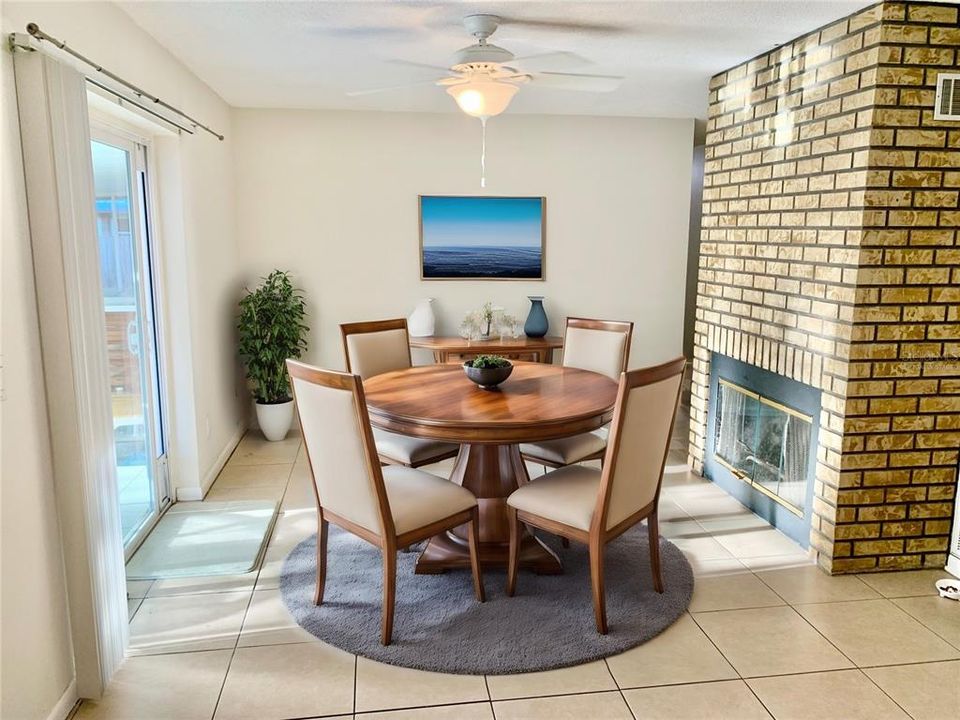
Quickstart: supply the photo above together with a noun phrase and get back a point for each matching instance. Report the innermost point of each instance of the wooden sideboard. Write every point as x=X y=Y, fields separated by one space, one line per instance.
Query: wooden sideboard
x=455 y=349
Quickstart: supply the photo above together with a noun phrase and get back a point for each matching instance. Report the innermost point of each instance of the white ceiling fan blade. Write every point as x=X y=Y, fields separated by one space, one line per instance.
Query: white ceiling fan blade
x=556 y=61
x=423 y=66
x=390 y=88
x=566 y=25
x=577 y=82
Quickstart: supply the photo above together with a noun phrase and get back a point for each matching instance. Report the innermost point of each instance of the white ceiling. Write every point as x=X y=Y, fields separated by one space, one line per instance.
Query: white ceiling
x=309 y=54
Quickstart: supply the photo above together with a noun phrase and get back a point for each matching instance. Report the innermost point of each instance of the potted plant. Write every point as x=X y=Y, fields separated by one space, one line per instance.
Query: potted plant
x=271 y=330
x=488 y=371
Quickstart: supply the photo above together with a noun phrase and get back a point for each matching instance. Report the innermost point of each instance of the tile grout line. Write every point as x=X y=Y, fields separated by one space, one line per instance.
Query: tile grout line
x=828 y=640
x=887 y=600
x=233 y=654
x=732 y=666
x=620 y=690
x=923 y=624
x=246 y=611
x=486 y=684
x=745 y=680
x=885 y=693
x=407 y=708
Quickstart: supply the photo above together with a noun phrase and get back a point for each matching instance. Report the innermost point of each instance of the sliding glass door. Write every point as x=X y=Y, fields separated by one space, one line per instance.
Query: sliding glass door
x=128 y=281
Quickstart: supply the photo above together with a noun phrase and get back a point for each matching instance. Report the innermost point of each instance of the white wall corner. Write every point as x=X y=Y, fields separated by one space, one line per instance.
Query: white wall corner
x=66 y=703
x=953 y=565
x=193 y=493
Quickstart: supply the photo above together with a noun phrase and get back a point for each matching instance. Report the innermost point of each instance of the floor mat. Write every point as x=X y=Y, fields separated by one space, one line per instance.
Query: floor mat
x=210 y=538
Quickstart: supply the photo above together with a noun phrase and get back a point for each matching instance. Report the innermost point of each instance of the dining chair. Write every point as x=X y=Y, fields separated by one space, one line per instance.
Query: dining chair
x=376 y=347
x=594 y=506
x=602 y=346
x=389 y=507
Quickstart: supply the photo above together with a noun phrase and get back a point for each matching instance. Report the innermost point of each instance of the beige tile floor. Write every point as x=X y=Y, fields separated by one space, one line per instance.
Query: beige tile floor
x=767 y=634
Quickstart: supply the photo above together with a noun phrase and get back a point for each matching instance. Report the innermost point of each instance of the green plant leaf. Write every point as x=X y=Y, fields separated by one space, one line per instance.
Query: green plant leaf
x=271 y=329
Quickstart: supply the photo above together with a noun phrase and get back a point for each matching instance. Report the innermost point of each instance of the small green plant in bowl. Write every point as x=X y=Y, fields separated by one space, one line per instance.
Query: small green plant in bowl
x=488 y=371
x=488 y=361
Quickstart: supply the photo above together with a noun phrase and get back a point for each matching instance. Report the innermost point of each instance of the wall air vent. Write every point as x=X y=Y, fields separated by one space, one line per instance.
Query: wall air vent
x=947 y=106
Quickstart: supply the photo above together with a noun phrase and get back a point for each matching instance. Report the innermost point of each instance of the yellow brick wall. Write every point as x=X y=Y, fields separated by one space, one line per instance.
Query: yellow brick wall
x=829 y=255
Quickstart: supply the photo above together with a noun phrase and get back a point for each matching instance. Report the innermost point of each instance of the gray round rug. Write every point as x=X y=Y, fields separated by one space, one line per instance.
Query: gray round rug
x=439 y=625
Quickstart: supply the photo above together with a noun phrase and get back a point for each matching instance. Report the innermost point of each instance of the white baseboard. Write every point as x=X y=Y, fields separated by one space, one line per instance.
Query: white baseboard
x=192 y=494
x=953 y=565
x=65 y=704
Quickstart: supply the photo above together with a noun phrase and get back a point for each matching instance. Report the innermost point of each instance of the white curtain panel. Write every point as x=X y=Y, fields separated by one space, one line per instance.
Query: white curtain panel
x=55 y=134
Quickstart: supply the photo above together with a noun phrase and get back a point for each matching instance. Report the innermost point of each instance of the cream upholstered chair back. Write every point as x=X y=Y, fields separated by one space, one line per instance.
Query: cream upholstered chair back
x=339 y=444
x=639 y=440
x=374 y=348
x=601 y=346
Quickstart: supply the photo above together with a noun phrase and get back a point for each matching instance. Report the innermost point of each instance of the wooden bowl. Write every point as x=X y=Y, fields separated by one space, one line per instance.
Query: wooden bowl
x=487 y=378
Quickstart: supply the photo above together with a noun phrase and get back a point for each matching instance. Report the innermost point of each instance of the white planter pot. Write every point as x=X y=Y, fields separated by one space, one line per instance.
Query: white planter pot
x=422 y=321
x=274 y=420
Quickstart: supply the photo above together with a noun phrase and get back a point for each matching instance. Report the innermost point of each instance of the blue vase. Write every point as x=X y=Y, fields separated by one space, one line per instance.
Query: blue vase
x=537 y=323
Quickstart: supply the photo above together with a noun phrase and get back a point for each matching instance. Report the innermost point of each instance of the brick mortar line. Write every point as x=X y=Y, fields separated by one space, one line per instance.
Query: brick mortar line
x=717 y=110
x=840 y=133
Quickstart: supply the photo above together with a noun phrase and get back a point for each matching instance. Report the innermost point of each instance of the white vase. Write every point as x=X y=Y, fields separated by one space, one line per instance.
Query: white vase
x=422 y=321
x=275 y=419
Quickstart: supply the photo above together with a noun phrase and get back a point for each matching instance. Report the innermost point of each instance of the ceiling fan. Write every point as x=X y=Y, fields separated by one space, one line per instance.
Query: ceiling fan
x=486 y=77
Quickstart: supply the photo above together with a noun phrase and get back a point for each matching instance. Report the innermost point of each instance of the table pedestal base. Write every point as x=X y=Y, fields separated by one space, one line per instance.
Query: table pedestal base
x=491 y=472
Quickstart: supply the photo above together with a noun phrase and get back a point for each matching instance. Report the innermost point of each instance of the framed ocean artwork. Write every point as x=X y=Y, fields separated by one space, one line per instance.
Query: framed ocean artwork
x=481 y=237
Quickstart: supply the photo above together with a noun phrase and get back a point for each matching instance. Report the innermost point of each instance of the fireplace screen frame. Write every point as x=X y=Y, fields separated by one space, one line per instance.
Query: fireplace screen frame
x=745 y=476
x=783 y=391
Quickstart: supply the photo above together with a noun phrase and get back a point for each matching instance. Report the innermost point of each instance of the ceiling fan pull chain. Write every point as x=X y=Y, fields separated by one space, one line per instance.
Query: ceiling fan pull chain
x=483 y=152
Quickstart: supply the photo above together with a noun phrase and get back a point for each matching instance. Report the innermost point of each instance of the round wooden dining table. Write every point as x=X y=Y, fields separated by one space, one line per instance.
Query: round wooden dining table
x=537 y=402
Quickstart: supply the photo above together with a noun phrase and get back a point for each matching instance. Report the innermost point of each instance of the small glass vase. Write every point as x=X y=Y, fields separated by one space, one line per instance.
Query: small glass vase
x=537 y=324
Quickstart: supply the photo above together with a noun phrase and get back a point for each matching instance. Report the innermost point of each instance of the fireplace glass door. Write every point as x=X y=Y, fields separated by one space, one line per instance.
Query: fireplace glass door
x=763 y=443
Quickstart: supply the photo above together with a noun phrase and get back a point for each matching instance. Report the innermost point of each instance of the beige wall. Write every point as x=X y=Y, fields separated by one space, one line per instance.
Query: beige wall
x=36 y=662
x=332 y=196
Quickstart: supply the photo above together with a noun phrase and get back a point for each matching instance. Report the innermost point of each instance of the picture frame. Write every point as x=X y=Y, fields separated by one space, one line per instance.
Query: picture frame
x=482 y=237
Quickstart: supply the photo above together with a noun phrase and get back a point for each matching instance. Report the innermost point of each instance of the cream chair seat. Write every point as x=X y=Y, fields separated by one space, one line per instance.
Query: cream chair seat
x=380 y=346
x=568 y=450
x=596 y=506
x=567 y=495
x=601 y=346
x=418 y=498
x=410 y=451
x=391 y=507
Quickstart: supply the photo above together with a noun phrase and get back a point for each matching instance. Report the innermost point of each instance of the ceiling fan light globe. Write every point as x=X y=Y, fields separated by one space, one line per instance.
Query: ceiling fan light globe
x=483 y=99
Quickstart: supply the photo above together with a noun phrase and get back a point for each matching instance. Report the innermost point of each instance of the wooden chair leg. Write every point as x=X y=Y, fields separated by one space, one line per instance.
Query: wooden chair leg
x=322 y=526
x=473 y=539
x=653 y=538
x=514 y=554
x=596 y=581
x=389 y=592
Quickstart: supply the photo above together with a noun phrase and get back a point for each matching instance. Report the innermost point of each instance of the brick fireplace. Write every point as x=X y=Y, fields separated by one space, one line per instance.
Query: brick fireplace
x=829 y=256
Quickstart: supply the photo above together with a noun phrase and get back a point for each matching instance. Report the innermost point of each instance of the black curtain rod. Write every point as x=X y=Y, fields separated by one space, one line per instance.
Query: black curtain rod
x=39 y=34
